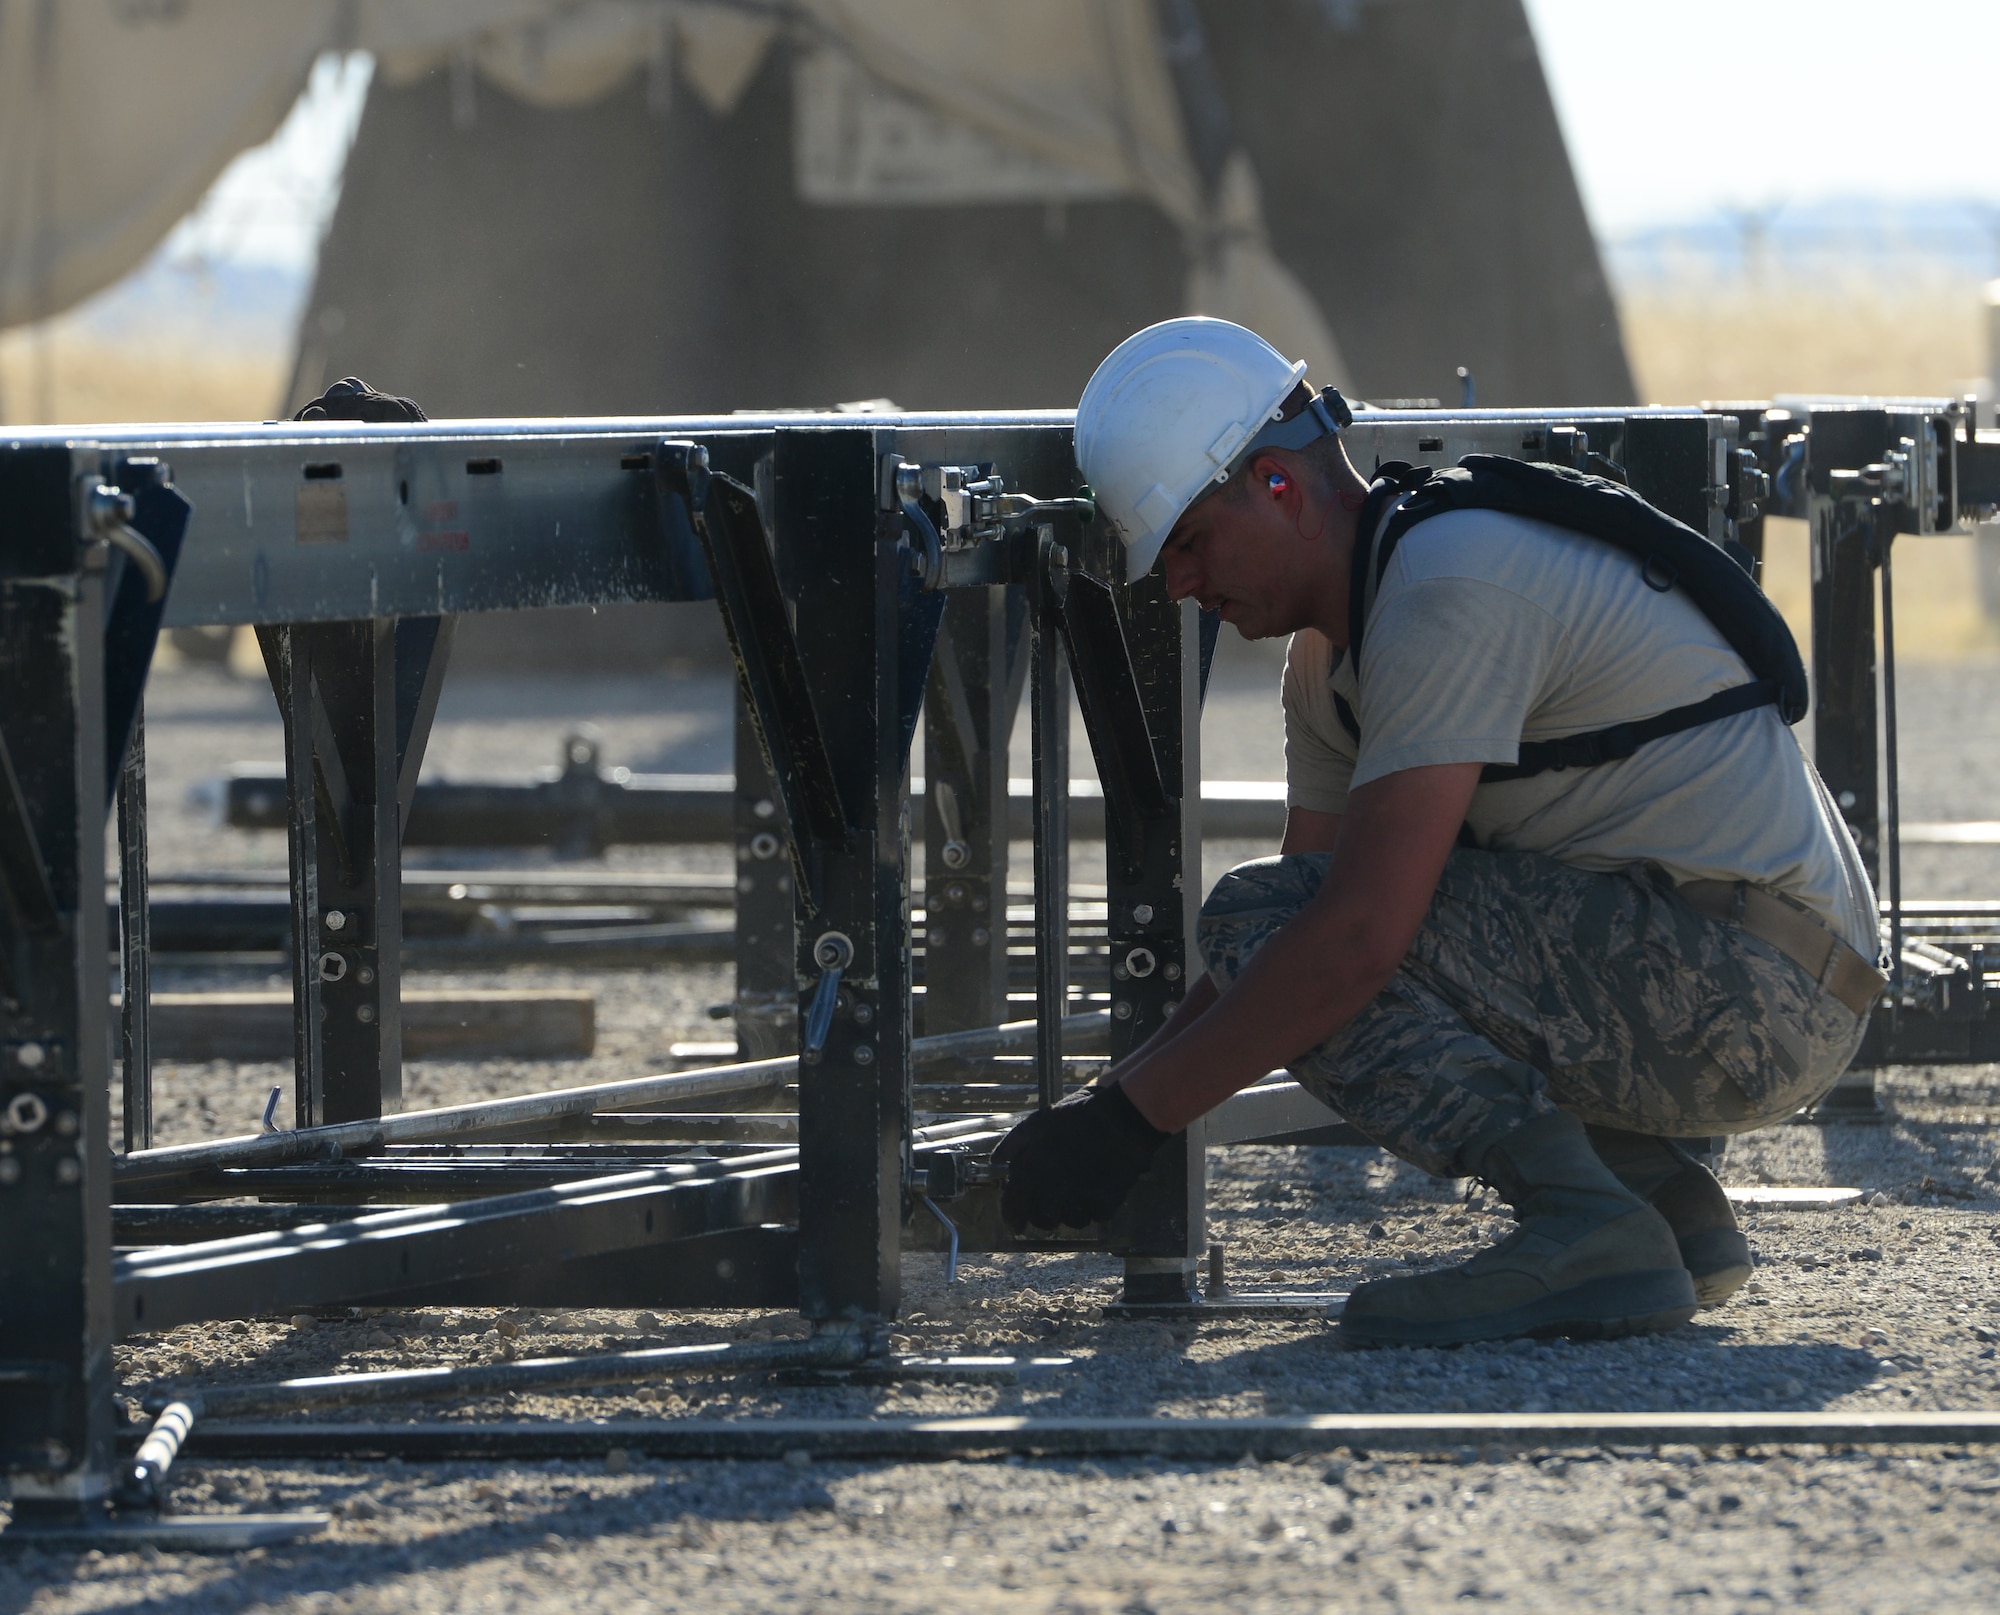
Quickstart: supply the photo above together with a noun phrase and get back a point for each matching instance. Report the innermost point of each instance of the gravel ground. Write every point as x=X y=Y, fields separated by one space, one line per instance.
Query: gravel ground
x=1893 y=1303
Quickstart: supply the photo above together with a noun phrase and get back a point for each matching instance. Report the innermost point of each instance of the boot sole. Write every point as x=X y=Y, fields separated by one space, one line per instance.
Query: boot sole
x=1650 y=1302
x=1719 y=1259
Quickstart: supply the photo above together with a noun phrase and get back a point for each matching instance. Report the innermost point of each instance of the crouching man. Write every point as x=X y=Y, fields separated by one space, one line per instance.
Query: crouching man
x=1557 y=883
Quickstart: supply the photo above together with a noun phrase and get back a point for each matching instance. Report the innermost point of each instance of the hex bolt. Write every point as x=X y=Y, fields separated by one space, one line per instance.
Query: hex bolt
x=1171 y=971
x=1121 y=1011
x=981 y=936
x=31 y=1056
x=763 y=807
x=863 y=1054
x=365 y=975
x=1141 y=963
x=67 y=1124
x=332 y=966
x=864 y=1014
x=954 y=894
x=764 y=845
x=1142 y=913
x=334 y=920
x=365 y=1014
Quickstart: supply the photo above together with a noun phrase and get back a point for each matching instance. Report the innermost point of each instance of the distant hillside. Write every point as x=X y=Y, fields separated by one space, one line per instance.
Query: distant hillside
x=1827 y=240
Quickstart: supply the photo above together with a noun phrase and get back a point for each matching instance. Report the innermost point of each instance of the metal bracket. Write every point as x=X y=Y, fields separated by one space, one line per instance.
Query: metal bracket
x=768 y=663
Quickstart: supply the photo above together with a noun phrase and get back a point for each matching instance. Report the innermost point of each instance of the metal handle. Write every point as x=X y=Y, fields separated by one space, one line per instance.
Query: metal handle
x=956 y=851
x=110 y=512
x=833 y=953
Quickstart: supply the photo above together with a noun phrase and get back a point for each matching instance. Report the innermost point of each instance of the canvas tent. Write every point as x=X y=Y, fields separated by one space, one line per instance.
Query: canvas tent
x=664 y=204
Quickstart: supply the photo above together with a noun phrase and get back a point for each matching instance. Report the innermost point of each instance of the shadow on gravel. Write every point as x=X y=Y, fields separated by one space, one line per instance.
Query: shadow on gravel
x=770 y=1492
x=1695 y=1369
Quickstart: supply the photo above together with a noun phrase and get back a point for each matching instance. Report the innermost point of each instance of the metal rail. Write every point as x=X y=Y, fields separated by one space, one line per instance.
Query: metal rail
x=1197 y=1440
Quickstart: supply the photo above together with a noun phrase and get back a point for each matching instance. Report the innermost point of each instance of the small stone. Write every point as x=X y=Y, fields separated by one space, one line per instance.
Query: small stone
x=1873 y=1337
x=1981 y=1333
x=1728 y=1503
x=647 y=1320
x=1340 y=1524
x=1377 y=1231
x=303 y=1320
x=618 y=1462
x=361 y=1507
x=509 y=1330
x=378 y=1339
x=799 y=1458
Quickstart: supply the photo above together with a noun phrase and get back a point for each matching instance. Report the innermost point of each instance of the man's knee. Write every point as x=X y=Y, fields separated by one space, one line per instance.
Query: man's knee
x=1252 y=901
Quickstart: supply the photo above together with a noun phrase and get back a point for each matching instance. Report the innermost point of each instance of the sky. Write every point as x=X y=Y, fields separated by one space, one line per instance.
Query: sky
x=1674 y=111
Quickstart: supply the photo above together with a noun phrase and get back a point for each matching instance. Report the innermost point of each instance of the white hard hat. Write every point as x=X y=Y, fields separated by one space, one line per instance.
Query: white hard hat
x=1171 y=411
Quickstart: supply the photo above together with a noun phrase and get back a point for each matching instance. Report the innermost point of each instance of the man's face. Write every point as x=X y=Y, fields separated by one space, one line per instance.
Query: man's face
x=1229 y=553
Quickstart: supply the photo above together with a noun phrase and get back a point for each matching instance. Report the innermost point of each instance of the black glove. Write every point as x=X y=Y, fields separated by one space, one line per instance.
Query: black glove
x=354 y=400
x=1075 y=1164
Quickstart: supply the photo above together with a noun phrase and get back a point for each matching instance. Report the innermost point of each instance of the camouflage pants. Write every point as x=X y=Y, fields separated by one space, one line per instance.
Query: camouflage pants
x=1534 y=986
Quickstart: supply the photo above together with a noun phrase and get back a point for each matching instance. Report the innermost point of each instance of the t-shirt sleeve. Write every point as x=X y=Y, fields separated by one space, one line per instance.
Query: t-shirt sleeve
x=1451 y=667
x=1319 y=755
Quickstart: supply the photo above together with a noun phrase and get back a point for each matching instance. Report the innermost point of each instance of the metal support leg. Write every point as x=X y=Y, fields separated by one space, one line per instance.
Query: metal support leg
x=968 y=720
x=1049 y=697
x=56 y=1410
x=337 y=688
x=854 y=1090
x=766 y=935
x=1155 y=896
x=1846 y=737
x=135 y=944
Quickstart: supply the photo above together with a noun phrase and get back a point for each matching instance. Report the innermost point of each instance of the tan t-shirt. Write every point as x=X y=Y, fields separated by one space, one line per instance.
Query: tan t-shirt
x=1488 y=629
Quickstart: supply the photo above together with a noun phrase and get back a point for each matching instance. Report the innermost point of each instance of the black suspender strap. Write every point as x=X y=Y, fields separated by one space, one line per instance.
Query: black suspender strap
x=1622 y=739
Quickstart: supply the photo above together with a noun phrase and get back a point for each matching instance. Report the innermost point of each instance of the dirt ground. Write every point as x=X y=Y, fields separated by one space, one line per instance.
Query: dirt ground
x=1891 y=1303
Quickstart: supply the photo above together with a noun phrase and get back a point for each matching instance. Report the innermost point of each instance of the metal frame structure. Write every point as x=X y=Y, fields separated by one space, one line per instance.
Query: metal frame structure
x=870 y=572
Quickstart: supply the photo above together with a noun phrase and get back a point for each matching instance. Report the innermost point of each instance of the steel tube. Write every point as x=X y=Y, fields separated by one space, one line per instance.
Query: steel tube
x=535 y=1374
x=493 y=1116
x=1217 y=1440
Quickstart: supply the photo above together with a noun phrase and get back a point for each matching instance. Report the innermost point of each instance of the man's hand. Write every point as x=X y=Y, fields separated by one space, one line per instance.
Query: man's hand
x=1075 y=1164
x=352 y=399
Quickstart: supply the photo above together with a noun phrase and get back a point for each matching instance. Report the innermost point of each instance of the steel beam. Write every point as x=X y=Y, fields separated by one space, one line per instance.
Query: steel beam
x=56 y=1328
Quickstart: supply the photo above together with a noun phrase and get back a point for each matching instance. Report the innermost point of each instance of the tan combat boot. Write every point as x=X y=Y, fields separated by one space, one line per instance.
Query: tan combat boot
x=1684 y=1192
x=1590 y=1259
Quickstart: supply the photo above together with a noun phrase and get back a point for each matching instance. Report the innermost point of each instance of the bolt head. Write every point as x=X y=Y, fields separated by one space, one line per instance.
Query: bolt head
x=1142 y=913
x=365 y=1014
x=334 y=920
x=863 y=1054
x=1121 y=1011
x=31 y=1056
x=68 y=1169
